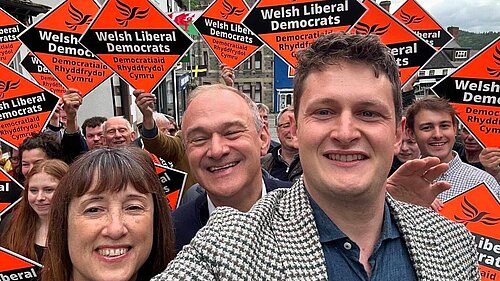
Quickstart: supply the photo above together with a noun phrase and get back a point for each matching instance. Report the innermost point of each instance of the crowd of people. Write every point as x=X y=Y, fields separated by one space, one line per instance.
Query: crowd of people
x=351 y=191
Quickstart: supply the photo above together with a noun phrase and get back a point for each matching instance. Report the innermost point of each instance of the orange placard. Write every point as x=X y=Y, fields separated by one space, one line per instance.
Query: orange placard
x=24 y=107
x=10 y=27
x=10 y=192
x=137 y=41
x=479 y=210
x=173 y=182
x=54 y=40
x=410 y=51
x=220 y=26
x=474 y=90
x=42 y=75
x=17 y=267
x=288 y=26
x=423 y=24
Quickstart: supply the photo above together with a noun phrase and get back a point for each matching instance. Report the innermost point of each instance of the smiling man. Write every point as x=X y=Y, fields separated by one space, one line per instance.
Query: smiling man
x=118 y=132
x=336 y=222
x=432 y=122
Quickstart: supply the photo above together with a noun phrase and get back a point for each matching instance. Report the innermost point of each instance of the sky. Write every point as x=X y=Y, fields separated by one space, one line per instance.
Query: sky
x=470 y=15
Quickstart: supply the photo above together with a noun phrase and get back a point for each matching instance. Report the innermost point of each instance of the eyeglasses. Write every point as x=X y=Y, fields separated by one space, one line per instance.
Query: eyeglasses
x=284 y=125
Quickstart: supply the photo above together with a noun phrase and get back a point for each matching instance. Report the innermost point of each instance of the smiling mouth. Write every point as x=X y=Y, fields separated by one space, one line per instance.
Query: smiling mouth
x=346 y=157
x=227 y=166
x=437 y=144
x=107 y=252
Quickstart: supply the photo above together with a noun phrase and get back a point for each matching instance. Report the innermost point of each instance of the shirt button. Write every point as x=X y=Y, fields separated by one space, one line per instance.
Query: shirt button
x=347 y=246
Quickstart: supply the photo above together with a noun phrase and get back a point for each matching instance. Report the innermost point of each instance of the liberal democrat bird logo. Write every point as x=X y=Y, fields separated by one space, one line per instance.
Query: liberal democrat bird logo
x=473 y=215
x=129 y=13
x=408 y=19
x=230 y=10
x=78 y=18
x=495 y=71
x=365 y=29
x=6 y=86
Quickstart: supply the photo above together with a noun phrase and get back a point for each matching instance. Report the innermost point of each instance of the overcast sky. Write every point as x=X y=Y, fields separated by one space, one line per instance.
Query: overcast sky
x=470 y=15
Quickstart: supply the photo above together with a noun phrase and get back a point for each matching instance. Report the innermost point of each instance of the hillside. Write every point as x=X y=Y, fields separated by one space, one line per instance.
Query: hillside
x=476 y=41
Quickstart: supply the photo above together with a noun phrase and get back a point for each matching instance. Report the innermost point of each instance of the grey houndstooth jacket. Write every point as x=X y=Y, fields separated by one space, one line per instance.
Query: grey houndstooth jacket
x=278 y=240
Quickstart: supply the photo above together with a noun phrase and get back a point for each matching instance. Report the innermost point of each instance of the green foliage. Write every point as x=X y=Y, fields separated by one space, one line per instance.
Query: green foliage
x=476 y=41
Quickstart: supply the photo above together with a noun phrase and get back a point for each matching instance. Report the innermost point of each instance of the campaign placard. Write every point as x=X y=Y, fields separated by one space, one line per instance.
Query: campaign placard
x=220 y=26
x=42 y=75
x=289 y=26
x=137 y=41
x=10 y=192
x=474 y=91
x=423 y=24
x=479 y=210
x=25 y=107
x=172 y=181
x=54 y=40
x=16 y=267
x=10 y=27
x=410 y=51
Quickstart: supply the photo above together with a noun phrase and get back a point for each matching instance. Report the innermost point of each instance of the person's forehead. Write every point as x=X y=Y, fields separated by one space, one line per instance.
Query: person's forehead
x=210 y=110
x=427 y=115
x=117 y=123
x=94 y=130
x=34 y=153
x=285 y=116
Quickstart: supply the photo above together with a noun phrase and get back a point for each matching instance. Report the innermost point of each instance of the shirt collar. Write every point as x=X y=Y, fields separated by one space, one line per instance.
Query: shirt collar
x=211 y=206
x=328 y=231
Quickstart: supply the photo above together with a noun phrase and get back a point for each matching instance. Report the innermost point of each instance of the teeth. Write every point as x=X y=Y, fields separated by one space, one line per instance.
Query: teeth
x=112 y=252
x=437 y=144
x=346 y=158
x=214 y=169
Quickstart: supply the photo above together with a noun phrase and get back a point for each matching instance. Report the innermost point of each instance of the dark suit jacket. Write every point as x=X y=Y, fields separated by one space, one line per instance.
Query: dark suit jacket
x=192 y=216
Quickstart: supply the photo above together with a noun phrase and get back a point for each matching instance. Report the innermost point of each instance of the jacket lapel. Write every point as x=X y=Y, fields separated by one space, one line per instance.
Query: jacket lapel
x=420 y=238
x=297 y=237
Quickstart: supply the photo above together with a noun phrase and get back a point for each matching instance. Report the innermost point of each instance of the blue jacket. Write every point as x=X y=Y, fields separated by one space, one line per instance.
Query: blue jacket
x=192 y=216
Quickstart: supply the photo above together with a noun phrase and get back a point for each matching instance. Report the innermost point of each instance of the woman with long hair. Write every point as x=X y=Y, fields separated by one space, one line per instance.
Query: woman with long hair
x=26 y=233
x=110 y=220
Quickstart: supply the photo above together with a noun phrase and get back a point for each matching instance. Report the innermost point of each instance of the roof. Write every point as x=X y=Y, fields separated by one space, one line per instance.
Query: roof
x=440 y=60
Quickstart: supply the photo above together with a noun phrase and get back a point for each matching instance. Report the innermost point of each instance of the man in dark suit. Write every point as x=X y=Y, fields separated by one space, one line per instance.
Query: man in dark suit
x=224 y=153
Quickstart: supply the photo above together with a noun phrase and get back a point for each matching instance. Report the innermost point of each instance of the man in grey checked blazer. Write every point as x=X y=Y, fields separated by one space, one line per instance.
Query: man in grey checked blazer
x=348 y=123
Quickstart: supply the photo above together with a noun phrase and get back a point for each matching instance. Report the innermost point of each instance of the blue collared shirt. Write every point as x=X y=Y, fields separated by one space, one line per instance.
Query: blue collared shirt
x=390 y=259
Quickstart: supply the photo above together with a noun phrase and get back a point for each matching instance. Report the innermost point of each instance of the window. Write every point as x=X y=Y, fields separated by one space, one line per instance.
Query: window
x=421 y=73
x=258 y=60
x=445 y=71
x=460 y=54
x=431 y=72
x=258 y=92
x=205 y=58
x=248 y=63
x=247 y=89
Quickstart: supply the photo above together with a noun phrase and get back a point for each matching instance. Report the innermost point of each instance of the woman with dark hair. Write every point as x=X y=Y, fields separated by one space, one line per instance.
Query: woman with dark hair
x=110 y=220
x=34 y=149
x=27 y=229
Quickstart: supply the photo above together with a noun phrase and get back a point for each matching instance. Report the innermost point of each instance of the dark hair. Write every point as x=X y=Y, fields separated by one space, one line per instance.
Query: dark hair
x=43 y=141
x=92 y=122
x=20 y=234
x=108 y=170
x=335 y=48
x=430 y=103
